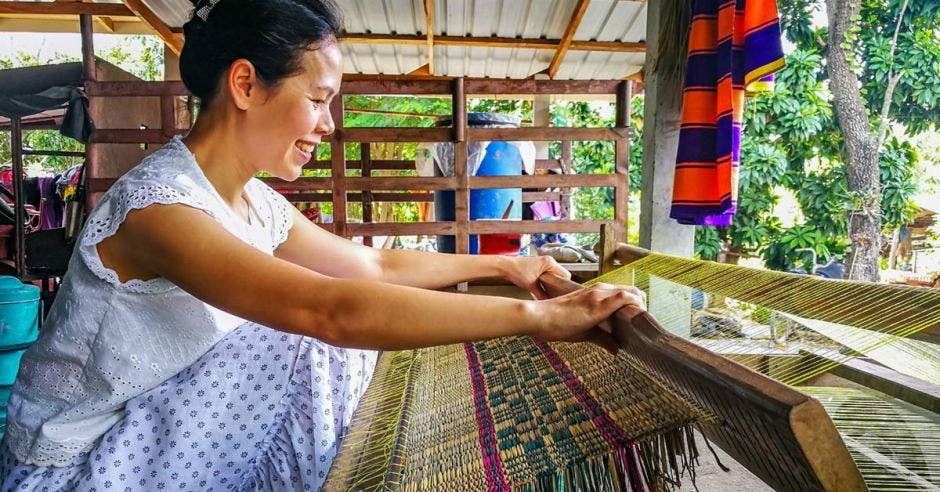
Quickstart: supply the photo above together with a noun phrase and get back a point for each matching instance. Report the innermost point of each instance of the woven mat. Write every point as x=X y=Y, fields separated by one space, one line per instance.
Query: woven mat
x=514 y=413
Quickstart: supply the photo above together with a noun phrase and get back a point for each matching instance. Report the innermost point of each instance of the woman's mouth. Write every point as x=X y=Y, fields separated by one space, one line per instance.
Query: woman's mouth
x=305 y=148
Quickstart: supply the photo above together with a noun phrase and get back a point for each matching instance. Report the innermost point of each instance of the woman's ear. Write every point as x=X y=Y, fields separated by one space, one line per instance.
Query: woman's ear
x=242 y=83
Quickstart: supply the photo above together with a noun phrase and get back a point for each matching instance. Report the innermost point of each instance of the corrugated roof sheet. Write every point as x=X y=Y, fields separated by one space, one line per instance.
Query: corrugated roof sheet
x=604 y=20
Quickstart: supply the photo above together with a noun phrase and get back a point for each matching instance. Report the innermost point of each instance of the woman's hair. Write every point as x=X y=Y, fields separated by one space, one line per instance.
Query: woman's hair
x=272 y=34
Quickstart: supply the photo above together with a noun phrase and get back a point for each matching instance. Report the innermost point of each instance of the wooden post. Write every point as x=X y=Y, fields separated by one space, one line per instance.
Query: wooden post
x=19 y=211
x=566 y=169
x=365 y=150
x=622 y=154
x=611 y=237
x=90 y=74
x=338 y=167
x=461 y=149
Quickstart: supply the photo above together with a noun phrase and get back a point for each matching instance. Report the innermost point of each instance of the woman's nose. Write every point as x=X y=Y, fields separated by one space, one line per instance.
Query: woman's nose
x=326 y=125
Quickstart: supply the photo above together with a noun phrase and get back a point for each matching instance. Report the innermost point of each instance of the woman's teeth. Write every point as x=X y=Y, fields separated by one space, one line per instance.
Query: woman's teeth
x=305 y=147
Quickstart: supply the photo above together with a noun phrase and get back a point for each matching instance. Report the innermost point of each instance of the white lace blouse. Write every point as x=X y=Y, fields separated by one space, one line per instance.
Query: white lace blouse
x=106 y=341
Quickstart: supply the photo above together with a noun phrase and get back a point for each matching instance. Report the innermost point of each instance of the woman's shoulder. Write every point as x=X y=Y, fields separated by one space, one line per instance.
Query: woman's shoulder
x=278 y=210
x=168 y=175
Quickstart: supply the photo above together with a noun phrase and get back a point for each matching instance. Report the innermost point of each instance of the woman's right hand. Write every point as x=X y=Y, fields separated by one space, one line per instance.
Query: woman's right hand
x=582 y=315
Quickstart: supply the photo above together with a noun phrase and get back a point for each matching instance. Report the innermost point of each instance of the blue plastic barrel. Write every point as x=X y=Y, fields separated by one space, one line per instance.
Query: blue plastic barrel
x=500 y=159
x=19 y=314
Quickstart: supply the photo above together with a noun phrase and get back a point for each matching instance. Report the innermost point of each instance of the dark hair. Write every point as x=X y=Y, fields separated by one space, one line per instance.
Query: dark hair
x=271 y=34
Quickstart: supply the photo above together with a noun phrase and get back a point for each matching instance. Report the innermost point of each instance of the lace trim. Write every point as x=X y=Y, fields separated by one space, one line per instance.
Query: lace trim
x=103 y=226
x=39 y=453
x=283 y=218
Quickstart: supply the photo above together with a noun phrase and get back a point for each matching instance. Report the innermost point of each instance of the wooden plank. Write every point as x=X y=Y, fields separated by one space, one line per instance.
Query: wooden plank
x=374 y=134
x=140 y=9
x=533 y=226
x=377 y=164
x=66 y=8
x=541 y=196
x=386 y=183
x=301 y=184
x=547 y=134
x=781 y=435
x=474 y=227
x=461 y=154
x=429 y=30
x=622 y=154
x=168 y=115
x=611 y=236
x=135 y=88
x=338 y=160
x=542 y=87
x=402 y=229
x=365 y=150
x=407 y=165
x=425 y=85
x=389 y=183
x=543 y=181
x=566 y=168
x=395 y=85
x=131 y=136
x=576 y=15
x=492 y=42
x=614 y=46
x=357 y=197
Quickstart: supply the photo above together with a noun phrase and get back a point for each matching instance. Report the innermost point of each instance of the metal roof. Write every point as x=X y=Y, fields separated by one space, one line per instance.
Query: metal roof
x=604 y=20
x=544 y=21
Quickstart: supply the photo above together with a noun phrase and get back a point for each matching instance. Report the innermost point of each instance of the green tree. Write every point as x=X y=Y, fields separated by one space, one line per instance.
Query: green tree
x=793 y=142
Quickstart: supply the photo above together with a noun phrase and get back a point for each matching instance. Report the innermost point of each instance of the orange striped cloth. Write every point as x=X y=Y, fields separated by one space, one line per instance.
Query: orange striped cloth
x=733 y=45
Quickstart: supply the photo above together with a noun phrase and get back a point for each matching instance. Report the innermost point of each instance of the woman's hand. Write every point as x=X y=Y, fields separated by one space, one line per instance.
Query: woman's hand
x=582 y=315
x=524 y=271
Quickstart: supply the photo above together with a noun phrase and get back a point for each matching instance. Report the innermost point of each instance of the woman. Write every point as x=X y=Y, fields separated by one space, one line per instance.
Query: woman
x=195 y=341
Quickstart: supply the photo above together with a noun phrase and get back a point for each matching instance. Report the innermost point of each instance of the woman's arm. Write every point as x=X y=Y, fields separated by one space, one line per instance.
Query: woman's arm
x=310 y=246
x=193 y=251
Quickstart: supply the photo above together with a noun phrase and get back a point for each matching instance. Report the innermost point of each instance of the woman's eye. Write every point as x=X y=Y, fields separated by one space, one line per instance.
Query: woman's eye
x=318 y=103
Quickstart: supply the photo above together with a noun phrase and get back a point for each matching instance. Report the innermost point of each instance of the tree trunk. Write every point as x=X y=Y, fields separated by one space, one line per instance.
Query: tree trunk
x=861 y=149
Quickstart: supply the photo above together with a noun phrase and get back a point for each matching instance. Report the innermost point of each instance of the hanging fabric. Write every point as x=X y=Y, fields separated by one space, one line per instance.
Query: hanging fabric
x=733 y=45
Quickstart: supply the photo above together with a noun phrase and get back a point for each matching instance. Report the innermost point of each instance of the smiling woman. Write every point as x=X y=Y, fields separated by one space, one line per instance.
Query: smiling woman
x=207 y=336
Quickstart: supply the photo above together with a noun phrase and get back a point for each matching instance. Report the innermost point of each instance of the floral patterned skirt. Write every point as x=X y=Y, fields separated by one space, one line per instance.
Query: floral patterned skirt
x=262 y=410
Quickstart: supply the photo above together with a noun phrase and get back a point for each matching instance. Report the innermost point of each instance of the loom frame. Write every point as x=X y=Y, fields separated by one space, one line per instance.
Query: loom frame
x=758 y=417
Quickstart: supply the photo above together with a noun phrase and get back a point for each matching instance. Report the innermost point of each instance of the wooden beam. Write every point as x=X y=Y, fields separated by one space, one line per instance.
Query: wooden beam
x=107 y=23
x=429 y=27
x=494 y=42
x=156 y=23
x=576 y=17
x=66 y=8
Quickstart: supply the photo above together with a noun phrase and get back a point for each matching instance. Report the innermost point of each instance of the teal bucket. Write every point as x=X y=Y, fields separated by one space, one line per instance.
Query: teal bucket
x=19 y=314
x=9 y=366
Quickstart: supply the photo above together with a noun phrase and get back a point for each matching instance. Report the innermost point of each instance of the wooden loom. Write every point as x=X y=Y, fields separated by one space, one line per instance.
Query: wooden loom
x=781 y=434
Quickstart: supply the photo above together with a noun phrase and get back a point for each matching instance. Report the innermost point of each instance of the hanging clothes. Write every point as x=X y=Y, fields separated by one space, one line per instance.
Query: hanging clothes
x=733 y=45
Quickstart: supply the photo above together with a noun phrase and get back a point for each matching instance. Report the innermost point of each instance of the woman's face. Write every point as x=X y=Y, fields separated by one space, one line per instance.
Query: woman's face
x=285 y=130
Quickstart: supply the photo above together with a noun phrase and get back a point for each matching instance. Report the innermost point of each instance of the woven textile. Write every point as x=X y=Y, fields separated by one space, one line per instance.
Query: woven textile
x=733 y=45
x=514 y=414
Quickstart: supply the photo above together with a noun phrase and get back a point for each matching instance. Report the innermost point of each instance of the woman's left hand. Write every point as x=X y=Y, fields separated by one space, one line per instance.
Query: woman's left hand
x=525 y=271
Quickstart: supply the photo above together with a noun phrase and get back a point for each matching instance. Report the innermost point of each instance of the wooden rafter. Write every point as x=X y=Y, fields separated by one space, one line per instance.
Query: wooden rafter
x=495 y=42
x=429 y=27
x=565 y=44
x=66 y=8
x=156 y=23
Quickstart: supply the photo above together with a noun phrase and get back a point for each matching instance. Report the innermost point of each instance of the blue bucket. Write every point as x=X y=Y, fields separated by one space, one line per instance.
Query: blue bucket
x=19 y=313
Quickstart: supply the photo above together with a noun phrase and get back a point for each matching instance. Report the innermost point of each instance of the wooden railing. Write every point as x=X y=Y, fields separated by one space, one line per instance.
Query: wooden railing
x=341 y=189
